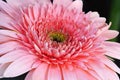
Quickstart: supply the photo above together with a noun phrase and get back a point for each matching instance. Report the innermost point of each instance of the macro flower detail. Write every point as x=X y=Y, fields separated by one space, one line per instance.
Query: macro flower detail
x=55 y=41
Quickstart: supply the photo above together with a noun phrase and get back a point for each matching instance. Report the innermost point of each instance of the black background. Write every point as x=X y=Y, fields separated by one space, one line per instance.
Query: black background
x=101 y=6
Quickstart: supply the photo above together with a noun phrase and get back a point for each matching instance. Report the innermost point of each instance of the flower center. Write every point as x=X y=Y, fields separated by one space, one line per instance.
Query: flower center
x=57 y=36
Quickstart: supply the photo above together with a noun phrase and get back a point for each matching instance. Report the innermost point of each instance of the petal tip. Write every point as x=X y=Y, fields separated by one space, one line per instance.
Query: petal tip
x=77 y=4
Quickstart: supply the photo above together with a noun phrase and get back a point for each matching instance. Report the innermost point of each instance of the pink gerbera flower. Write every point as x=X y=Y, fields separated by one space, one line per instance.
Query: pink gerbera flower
x=55 y=41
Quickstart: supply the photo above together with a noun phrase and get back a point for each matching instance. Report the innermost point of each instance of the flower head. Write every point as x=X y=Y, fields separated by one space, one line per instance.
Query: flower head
x=55 y=41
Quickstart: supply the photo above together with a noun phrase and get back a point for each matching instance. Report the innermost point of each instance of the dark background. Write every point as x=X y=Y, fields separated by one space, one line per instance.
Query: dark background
x=101 y=6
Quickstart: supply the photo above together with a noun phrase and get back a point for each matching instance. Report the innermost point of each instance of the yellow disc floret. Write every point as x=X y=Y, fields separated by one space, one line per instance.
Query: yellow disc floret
x=57 y=36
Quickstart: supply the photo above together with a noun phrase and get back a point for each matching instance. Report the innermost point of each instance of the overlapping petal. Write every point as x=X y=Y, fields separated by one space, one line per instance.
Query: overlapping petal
x=64 y=3
x=112 y=49
x=3 y=67
x=54 y=73
x=29 y=75
x=20 y=66
x=41 y=72
x=8 y=46
x=20 y=3
x=13 y=55
x=76 y=5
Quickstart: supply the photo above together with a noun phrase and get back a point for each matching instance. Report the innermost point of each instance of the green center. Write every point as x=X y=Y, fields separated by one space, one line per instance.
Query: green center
x=57 y=36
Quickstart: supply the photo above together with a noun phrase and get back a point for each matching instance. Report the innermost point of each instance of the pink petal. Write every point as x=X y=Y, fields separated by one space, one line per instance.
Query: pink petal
x=83 y=75
x=29 y=75
x=8 y=33
x=36 y=64
x=111 y=74
x=30 y=17
x=8 y=46
x=43 y=1
x=77 y=4
x=112 y=49
x=17 y=3
x=41 y=72
x=4 y=21
x=104 y=72
x=6 y=8
x=99 y=70
x=103 y=29
x=110 y=34
x=28 y=21
x=3 y=68
x=20 y=66
x=111 y=65
x=4 y=38
x=93 y=15
x=62 y=2
x=69 y=74
x=36 y=11
x=54 y=73
x=13 y=55
x=93 y=73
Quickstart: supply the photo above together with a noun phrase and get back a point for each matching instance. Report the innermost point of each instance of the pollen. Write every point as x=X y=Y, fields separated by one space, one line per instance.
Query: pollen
x=57 y=36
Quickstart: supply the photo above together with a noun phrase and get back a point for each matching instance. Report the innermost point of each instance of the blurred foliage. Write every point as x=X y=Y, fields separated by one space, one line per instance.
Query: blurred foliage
x=115 y=16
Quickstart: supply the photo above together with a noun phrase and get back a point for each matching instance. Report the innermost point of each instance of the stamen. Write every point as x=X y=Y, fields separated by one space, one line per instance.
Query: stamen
x=57 y=36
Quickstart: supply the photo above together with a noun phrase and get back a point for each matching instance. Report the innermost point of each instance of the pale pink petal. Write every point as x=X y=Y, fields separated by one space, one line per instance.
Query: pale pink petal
x=29 y=75
x=33 y=11
x=8 y=46
x=77 y=5
x=18 y=3
x=20 y=66
x=83 y=75
x=36 y=11
x=9 y=33
x=111 y=65
x=112 y=49
x=3 y=68
x=69 y=74
x=4 y=22
x=65 y=3
x=27 y=20
x=4 y=39
x=103 y=29
x=104 y=72
x=36 y=64
x=41 y=72
x=54 y=73
x=84 y=72
x=13 y=55
x=99 y=70
x=8 y=10
x=110 y=34
x=93 y=73
x=112 y=75
x=101 y=20
x=7 y=22
x=93 y=15
x=43 y=1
